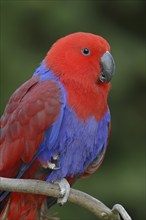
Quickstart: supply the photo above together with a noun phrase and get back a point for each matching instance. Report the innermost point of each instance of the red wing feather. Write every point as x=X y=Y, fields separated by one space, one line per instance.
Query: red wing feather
x=30 y=111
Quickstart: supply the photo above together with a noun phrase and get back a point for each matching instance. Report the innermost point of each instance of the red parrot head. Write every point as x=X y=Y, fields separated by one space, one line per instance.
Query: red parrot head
x=83 y=57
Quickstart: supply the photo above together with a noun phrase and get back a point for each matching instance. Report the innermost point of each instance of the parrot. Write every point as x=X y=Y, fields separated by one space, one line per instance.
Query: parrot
x=56 y=125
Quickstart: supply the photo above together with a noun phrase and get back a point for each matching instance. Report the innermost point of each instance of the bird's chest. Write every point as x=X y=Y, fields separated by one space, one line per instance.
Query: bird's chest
x=77 y=144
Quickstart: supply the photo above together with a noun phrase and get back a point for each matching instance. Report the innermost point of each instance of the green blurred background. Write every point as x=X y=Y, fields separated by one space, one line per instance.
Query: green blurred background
x=28 y=29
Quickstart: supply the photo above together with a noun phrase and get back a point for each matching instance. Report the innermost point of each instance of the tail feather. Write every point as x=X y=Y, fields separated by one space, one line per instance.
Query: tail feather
x=23 y=206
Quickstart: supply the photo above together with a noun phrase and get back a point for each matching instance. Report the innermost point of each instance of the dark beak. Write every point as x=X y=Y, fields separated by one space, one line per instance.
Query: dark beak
x=108 y=67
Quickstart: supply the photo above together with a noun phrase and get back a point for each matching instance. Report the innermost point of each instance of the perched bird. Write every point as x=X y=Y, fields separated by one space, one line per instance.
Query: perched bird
x=55 y=126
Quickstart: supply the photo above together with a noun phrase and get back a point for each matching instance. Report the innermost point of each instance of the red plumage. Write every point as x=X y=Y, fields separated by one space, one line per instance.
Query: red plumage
x=24 y=122
x=80 y=74
x=23 y=125
x=35 y=106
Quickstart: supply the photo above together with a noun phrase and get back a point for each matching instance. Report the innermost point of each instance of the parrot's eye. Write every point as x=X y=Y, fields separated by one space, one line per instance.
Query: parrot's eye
x=85 y=51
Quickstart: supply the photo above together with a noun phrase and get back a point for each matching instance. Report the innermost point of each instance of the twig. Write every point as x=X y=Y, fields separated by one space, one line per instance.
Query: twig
x=76 y=196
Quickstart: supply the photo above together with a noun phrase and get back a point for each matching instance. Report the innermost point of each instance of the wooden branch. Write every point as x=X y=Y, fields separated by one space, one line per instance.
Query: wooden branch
x=76 y=196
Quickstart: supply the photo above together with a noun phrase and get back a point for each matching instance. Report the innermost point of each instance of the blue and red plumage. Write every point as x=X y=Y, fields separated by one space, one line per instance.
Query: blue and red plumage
x=62 y=111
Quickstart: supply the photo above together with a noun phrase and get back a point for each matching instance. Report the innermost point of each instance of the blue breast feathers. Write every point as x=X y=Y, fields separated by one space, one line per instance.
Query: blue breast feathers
x=77 y=145
x=75 y=142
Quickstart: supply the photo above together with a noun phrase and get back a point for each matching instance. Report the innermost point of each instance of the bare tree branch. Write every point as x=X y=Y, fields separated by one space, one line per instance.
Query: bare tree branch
x=76 y=196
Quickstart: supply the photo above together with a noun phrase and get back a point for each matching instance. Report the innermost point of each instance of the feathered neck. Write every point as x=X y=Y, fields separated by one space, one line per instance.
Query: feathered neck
x=87 y=101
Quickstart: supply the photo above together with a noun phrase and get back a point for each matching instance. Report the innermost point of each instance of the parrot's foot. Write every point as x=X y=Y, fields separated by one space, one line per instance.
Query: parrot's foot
x=64 y=191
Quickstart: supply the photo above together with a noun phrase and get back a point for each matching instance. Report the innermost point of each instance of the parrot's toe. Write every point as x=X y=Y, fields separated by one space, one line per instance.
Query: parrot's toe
x=64 y=191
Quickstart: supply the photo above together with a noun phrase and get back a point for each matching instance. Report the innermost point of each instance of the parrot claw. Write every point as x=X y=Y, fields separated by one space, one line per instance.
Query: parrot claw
x=64 y=191
x=53 y=164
